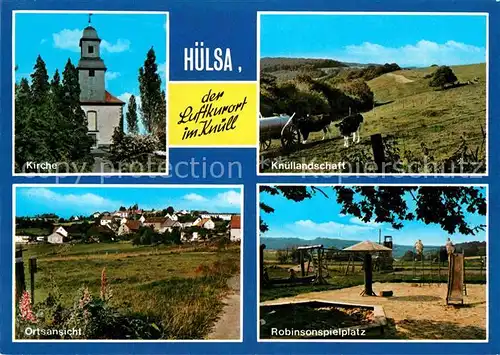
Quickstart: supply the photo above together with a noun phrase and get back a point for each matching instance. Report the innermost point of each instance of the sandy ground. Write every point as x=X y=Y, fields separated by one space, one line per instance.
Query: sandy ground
x=228 y=325
x=418 y=311
x=400 y=78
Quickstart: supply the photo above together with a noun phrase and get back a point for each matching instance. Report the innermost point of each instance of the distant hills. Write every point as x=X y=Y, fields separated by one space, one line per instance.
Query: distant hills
x=398 y=251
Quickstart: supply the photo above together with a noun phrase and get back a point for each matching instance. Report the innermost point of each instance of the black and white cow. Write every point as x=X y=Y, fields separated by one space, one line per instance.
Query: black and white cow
x=350 y=125
x=309 y=124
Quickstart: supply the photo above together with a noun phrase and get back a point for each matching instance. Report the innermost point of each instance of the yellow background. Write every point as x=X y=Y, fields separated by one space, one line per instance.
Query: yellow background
x=182 y=95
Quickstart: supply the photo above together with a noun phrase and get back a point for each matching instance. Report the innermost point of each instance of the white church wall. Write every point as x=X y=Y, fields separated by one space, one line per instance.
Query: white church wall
x=108 y=117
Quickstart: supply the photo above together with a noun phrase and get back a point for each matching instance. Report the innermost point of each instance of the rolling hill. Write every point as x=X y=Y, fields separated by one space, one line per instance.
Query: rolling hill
x=413 y=113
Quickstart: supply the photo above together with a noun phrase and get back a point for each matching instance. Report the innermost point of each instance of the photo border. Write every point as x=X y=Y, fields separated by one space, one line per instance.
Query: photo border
x=375 y=13
x=487 y=285
x=166 y=78
x=241 y=187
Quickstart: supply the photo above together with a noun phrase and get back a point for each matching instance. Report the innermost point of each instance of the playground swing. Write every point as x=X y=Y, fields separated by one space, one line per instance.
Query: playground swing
x=315 y=255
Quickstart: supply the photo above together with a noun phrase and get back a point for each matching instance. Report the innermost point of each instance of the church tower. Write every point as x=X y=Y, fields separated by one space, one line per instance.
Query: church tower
x=91 y=68
x=104 y=111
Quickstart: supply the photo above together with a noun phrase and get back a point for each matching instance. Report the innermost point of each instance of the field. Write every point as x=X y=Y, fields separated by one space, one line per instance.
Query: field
x=181 y=288
x=407 y=109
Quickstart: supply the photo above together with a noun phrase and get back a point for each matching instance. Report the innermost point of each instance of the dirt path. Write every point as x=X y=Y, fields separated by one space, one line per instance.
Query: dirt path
x=418 y=312
x=228 y=325
x=400 y=78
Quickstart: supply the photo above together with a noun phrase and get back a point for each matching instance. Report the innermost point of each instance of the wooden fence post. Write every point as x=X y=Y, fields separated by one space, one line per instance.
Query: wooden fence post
x=32 y=278
x=378 y=151
x=19 y=273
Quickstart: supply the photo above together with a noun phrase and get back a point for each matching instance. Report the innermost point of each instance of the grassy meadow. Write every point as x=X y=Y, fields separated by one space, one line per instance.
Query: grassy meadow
x=181 y=288
x=410 y=111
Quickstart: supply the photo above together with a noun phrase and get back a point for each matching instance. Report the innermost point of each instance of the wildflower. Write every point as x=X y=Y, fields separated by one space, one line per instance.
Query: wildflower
x=86 y=298
x=104 y=284
x=106 y=293
x=26 y=309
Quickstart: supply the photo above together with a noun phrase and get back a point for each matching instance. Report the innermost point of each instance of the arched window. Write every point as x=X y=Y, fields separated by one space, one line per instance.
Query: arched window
x=92 y=120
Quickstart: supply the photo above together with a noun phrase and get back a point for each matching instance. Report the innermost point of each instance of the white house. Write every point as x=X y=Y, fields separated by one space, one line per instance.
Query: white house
x=96 y=215
x=123 y=221
x=173 y=217
x=206 y=223
x=103 y=110
x=142 y=219
x=55 y=238
x=106 y=220
x=22 y=239
x=40 y=239
x=61 y=231
x=129 y=227
x=121 y=214
x=169 y=225
x=235 y=228
x=223 y=216
x=182 y=212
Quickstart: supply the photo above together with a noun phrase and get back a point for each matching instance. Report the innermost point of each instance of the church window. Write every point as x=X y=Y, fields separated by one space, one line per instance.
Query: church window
x=91 y=49
x=92 y=120
x=91 y=72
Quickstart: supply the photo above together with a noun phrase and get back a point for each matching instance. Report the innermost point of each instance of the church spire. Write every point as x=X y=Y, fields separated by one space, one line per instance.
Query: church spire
x=90 y=19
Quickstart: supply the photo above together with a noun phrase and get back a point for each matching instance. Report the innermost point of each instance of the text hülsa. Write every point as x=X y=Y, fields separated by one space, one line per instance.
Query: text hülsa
x=201 y=58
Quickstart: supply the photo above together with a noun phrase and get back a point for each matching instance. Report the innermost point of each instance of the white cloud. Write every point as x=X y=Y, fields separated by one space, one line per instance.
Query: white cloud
x=229 y=198
x=326 y=229
x=70 y=40
x=89 y=201
x=194 y=197
x=356 y=220
x=422 y=53
x=110 y=75
x=121 y=45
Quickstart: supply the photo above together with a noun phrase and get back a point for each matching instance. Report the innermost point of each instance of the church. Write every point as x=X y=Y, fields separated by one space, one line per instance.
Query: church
x=103 y=110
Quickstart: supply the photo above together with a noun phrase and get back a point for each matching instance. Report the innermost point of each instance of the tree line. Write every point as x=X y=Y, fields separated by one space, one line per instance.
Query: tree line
x=50 y=125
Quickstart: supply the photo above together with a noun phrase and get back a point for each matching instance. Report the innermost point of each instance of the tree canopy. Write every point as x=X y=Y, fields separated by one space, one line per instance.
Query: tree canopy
x=445 y=206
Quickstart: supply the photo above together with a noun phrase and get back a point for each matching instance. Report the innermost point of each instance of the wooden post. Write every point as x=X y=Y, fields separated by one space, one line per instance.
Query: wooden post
x=261 y=262
x=302 y=270
x=32 y=278
x=20 y=281
x=320 y=268
x=378 y=151
x=368 y=275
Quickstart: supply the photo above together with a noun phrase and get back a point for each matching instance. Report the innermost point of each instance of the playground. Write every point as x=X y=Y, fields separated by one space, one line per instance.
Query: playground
x=414 y=311
x=425 y=298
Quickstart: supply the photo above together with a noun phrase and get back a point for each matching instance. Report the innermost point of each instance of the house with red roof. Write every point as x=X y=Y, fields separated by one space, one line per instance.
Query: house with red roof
x=235 y=228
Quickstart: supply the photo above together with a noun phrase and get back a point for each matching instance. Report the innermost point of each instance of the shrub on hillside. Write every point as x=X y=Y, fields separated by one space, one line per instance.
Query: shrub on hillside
x=442 y=76
x=359 y=90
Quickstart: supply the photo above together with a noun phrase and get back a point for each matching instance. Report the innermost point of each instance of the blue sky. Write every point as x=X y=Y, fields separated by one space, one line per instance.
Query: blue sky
x=408 y=40
x=320 y=217
x=126 y=39
x=69 y=201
